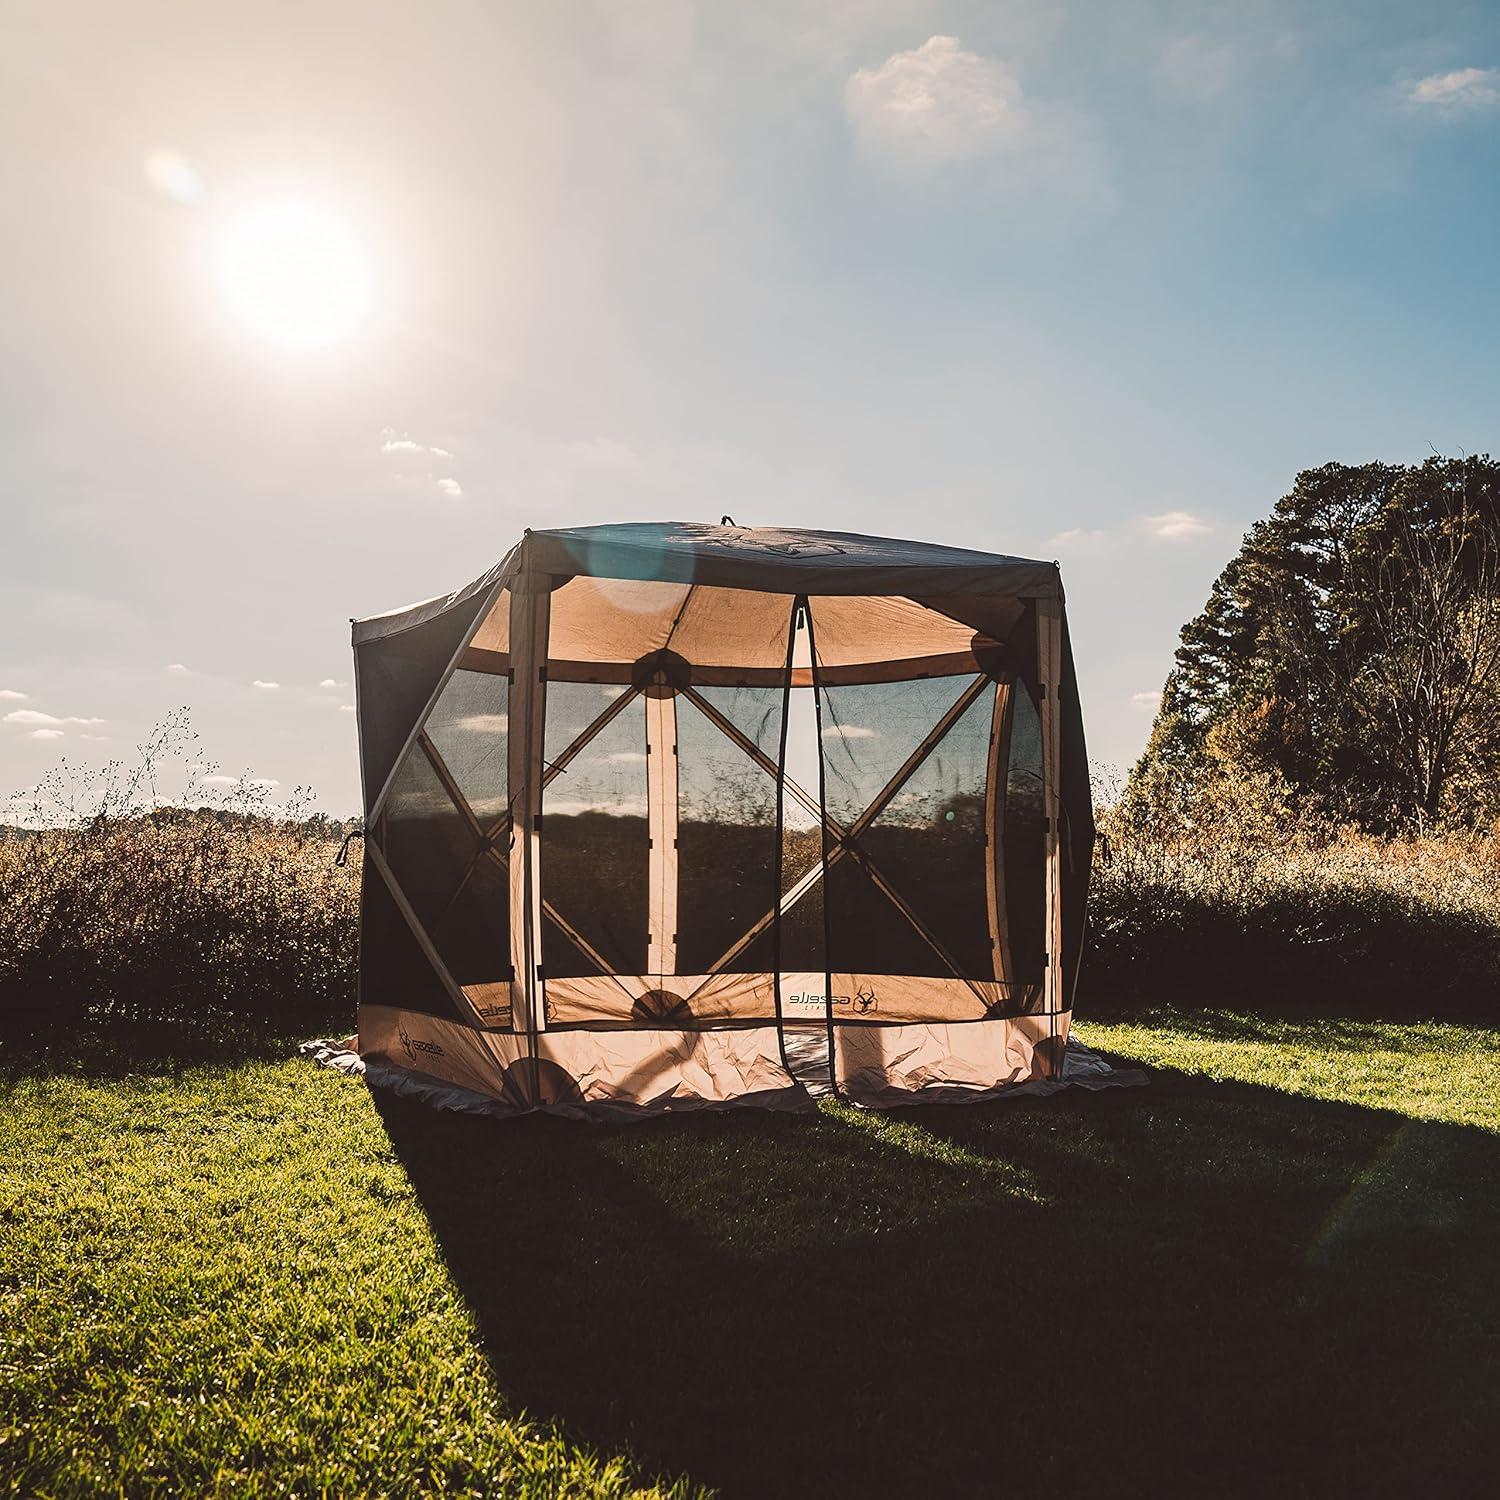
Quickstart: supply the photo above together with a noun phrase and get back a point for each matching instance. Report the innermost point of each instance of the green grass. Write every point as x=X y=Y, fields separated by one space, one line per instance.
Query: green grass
x=1270 y=1271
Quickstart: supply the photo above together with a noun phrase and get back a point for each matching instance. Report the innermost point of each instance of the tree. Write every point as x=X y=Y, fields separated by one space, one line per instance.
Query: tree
x=1351 y=649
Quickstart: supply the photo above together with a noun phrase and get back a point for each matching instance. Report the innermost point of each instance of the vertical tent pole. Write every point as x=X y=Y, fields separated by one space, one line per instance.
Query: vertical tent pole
x=661 y=815
x=995 y=788
x=1049 y=676
x=530 y=604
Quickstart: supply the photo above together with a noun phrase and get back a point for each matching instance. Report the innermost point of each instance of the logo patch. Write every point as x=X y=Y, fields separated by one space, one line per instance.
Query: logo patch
x=414 y=1045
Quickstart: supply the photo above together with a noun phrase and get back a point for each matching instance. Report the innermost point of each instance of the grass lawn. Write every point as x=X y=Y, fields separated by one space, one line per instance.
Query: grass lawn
x=1272 y=1271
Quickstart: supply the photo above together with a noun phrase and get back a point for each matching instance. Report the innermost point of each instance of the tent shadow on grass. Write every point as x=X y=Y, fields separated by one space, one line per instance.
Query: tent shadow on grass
x=1196 y=1286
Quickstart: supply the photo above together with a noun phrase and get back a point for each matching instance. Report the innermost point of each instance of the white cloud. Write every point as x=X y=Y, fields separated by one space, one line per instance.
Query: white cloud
x=102 y=739
x=45 y=734
x=849 y=732
x=46 y=721
x=177 y=667
x=266 y=686
x=396 y=442
x=10 y=695
x=937 y=102
x=1195 y=69
x=1465 y=88
x=328 y=682
x=1077 y=539
x=451 y=487
x=477 y=723
x=346 y=708
x=1148 y=701
x=253 y=783
x=1175 y=526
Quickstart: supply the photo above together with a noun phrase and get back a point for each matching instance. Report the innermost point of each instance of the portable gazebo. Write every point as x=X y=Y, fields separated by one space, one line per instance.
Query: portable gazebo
x=670 y=815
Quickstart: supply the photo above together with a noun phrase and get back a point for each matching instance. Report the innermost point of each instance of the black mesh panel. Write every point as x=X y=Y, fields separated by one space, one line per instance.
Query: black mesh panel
x=468 y=726
x=726 y=831
x=427 y=842
x=393 y=970
x=912 y=886
x=459 y=893
x=929 y=845
x=473 y=933
x=396 y=675
x=594 y=849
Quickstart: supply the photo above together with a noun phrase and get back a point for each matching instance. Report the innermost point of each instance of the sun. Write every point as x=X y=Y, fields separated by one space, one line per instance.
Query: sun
x=294 y=274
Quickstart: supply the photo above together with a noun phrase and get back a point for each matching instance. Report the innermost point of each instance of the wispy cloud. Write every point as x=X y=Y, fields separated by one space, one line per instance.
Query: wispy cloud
x=346 y=708
x=177 y=668
x=1175 y=526
x=328 y=682
x=265 y=686
x=451 y=487
x=849 y=732
x=46 y=721
x=252 y=783
x=1150 y=702
x=392 y=441
x=938 y=102
x=45 y=734
x=1465 y=88
x=10 y=695
x=1078 y=539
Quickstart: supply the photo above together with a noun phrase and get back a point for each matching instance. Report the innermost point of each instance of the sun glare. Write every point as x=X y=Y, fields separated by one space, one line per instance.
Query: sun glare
x=294 y=275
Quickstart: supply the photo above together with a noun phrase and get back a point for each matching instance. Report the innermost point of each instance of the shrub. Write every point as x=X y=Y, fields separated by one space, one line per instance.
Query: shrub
x=122 y=912
x=1249 y=904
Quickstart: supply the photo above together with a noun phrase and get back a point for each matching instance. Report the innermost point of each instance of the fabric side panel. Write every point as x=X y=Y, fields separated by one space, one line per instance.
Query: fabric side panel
x=484 y=1061
x=688 y=999
x=877 y=1062
x=666 y=1069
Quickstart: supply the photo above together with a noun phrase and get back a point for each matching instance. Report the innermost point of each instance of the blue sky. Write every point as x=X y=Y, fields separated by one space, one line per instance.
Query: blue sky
x=1079 y=281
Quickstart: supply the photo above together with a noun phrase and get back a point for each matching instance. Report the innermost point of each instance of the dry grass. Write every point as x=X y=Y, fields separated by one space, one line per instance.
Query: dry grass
x=1254 y=907
x=229 y=915
x=176 y=917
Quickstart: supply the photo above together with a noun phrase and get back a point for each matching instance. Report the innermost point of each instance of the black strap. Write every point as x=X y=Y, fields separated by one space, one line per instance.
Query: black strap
x=342 y=857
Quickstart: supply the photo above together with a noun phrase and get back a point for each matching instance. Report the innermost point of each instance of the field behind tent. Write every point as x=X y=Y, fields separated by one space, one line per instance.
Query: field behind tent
x=225 y=1271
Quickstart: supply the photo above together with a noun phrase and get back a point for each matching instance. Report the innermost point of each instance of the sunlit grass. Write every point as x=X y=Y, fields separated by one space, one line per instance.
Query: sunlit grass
x=248 y=1280
x=1425 y=1070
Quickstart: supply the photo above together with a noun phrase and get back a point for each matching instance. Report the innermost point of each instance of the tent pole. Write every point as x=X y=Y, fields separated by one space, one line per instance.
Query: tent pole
x=995 y=790
x=661 y=819
x=530 y=604
x=1049 y=677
